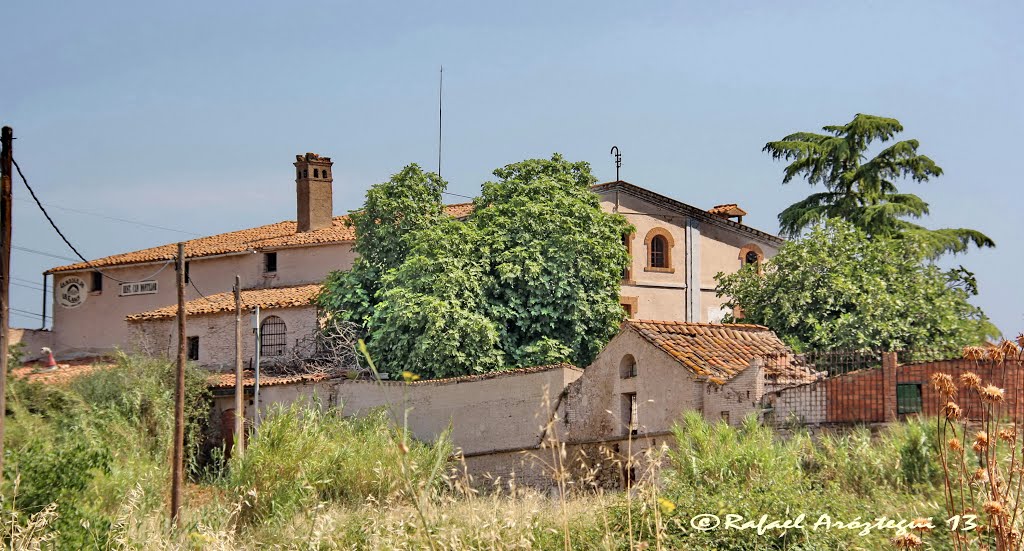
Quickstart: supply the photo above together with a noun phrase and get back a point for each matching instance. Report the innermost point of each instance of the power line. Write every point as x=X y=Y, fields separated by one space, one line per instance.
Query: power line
x=68 y=243
x=43 y=253
x=125 y=220
x=27 y=313
x=458 y=195
x=23 y=280
x=26 y=286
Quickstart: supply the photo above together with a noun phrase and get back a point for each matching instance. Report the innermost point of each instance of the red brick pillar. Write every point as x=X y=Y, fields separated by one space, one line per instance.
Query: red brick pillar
x=889 y=366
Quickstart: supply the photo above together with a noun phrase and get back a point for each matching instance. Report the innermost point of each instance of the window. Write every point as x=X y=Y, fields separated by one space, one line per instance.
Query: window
x=752 y=257
x=629 y=412
x=188 y=277
x=725 y=417
x=316 y=173
x=192 y=348
x=908 y=398
x=627 y=367
x=97 y=282
x=273 y=337
x=270 y=263
x=659 y=252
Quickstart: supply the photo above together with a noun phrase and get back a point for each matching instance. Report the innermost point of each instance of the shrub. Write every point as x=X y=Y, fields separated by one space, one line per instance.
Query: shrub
x=303 y=454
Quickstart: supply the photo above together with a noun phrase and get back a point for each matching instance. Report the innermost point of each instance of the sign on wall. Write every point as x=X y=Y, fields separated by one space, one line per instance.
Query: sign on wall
x=71 y=292
x=138 y=288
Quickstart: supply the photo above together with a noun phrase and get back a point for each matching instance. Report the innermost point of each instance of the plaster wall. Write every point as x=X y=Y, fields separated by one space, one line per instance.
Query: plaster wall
x=216 y=334
x=99 y=325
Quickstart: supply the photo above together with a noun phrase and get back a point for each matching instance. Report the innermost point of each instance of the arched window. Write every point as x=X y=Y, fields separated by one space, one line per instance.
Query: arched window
x=627 y=367
x=752 y=257
x=659 y=252
x=273 y=337
x=751 y=254
x=298 y=173
x=316 y=173
x=305 y=173
x=659 y=244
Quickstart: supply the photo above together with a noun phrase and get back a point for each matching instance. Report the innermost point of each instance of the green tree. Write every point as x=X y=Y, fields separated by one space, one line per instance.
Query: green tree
x=429 y=318
x=554 y=260
x=531 y=277
x=863 y=191
x=835 y=288
x=386 y=229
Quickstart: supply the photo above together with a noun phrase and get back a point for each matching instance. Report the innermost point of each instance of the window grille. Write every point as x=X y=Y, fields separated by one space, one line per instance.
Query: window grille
x=908 y=398
x=273 y=337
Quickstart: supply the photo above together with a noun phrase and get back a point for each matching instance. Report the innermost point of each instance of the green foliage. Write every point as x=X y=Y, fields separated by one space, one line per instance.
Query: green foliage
x=304 y=455
x=531 y=277
x=555 y=261
x=752 y=471
x=15 y=355
x=863 y=191
x=835 y=288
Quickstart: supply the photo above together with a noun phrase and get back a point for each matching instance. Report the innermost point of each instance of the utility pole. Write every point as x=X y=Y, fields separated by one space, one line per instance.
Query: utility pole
x=177 y=475
x=256 y=375
x=6 y=156
x=239 y=387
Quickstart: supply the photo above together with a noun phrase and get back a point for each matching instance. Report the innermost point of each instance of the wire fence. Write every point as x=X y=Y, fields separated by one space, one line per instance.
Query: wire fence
x=867 y=387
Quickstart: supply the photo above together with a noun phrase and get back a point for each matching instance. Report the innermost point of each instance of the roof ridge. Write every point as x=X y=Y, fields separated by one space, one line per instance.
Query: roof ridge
x=701 y=324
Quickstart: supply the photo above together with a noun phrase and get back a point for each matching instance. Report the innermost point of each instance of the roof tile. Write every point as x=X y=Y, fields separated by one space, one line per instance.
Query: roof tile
x=275 y=297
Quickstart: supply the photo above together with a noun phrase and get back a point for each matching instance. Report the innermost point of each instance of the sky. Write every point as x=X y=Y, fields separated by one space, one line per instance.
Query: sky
x=187 y=115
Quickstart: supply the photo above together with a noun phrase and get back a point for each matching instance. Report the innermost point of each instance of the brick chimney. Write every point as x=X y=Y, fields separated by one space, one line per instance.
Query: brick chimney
x=313 y=191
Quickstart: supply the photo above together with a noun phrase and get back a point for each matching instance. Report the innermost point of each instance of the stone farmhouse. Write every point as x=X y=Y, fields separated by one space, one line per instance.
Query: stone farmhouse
x=627 y=399
x=122 y=301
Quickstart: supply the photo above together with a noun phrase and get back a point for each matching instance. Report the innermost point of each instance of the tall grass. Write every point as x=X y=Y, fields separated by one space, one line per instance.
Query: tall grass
x=88 y=469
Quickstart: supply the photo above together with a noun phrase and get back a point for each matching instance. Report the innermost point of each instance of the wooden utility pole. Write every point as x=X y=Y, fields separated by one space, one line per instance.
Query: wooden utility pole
x=6 y=155
x=177 y=475
x=239 y=387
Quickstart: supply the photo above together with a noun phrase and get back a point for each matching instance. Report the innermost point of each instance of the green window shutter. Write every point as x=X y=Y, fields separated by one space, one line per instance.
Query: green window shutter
x=908 y=398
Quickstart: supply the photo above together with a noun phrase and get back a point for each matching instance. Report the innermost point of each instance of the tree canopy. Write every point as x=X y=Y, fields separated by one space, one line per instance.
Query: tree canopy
x=835 y=288
x=864 y=191
x=530 y=277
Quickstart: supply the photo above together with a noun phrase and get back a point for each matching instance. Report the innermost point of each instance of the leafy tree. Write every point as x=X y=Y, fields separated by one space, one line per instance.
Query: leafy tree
x=863 y=191
x=429 y=318
x=386 y=228
x=531 y=277
x=554 y=261
x=835 y=288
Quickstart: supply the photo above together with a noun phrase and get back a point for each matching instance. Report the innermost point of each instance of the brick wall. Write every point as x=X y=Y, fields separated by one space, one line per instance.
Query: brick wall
x=870 y=395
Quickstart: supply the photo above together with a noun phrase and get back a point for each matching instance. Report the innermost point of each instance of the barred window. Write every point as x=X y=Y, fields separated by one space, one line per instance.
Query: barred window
x=659 y=252
x=273 y=337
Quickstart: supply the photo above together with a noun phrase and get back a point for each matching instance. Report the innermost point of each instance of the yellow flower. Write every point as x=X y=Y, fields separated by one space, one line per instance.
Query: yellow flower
x=409 y=376
x=666 y=506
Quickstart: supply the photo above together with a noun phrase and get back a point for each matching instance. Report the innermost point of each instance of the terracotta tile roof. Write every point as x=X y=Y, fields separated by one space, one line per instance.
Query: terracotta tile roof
x=271 y=236
x=275 y=297
x=710 y=350
x=227 y=380
x=36 y=371
x=728 y=209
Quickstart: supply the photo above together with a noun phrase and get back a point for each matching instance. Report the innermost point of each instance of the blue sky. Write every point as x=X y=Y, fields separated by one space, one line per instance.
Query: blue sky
x=189 y=114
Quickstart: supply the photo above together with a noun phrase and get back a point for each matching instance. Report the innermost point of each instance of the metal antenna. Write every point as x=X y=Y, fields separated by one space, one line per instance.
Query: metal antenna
x=440 y=112
x=618 y=160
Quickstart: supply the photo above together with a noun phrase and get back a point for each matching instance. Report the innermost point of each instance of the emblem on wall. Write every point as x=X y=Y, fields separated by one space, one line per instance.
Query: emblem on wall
x=71 y=292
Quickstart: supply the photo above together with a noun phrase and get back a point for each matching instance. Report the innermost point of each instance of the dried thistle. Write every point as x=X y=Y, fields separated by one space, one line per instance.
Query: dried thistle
x=991 y=394
x=1008 y=434
x=980 y=442
x=907 y=541
x=955 y=445
x=943 y=383
x=970 y=380
x=994 y=509
x=951 y=411
x=921 y=524
x=974 y=353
